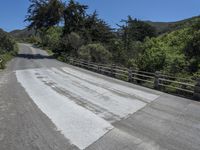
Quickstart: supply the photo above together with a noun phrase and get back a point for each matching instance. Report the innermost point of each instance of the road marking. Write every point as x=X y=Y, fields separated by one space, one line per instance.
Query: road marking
x=149 y=97
x=80 y=105
x=79 y=125
x=114 y=103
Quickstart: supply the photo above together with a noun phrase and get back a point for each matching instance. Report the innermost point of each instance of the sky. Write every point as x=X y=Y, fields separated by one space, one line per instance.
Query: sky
x=13 y=12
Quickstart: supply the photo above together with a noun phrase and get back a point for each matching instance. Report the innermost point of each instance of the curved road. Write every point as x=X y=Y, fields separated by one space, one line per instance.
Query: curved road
x=49 y=105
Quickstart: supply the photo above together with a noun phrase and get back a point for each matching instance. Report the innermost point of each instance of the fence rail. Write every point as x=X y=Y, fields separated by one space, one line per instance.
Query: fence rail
x=182 y=86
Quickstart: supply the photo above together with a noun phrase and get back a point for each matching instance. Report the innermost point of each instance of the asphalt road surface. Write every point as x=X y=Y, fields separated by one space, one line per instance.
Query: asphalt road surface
x=48 y=105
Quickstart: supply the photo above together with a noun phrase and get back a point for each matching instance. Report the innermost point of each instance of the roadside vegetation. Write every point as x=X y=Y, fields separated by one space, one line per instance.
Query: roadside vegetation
x=68 y=30
x=8 y=48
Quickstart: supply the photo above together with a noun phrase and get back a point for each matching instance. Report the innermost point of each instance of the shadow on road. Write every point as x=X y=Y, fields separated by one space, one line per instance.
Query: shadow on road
x=34 y=56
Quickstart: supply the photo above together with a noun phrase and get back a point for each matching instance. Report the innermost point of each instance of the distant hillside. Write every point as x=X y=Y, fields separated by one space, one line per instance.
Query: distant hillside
x=2 y=31
x=163 y=27
x=22 y=34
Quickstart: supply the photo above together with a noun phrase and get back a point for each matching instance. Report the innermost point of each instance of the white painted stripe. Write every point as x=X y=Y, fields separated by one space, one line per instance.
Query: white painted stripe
x=111 y=85
x=79 y=125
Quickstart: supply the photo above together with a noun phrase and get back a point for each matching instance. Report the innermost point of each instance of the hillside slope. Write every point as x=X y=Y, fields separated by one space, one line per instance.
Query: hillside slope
x=22 y=34
x=163 y=27
x=176 y=52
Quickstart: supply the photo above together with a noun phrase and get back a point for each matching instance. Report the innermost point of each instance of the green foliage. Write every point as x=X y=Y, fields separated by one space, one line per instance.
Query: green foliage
x=139 y=30
x=8 y=48
x=74 y=15
x=119 y=55
x=6 y=42
x=74 y=40
x=167 y=27
x=33 y=39
x=95 y=53
x=44 y=13
x=175 y=52
x=51 y=38
x=153 y=58
x=70 y=44
x=131 y=63
x=135 y=44
x=97 y=30
x=135 y=30
x=192 y=51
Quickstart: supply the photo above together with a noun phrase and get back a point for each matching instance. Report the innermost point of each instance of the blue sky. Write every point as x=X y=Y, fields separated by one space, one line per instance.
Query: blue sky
x=12 y=12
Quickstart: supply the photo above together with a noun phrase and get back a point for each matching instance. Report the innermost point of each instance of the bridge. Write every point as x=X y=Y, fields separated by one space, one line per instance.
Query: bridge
x=46 y=104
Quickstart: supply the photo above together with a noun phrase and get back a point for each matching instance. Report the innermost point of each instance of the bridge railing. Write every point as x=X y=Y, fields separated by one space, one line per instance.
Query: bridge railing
x=170 y=84
x=1 y=63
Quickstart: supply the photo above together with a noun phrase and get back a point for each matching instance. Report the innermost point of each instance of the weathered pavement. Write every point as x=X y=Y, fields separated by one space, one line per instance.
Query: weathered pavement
x=49 y=105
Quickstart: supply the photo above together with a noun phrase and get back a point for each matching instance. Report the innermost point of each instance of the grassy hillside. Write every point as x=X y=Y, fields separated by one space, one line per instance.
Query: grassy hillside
x=163 y=27
x=176 y=52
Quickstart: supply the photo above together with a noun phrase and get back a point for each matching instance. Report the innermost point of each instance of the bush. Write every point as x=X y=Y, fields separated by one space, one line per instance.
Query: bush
x=95 y=53
x=8 y=48
x=69 y=44
x=51 y=37
x=33 y=40
x=6 y=42
x=153 y=57
x=116 y=47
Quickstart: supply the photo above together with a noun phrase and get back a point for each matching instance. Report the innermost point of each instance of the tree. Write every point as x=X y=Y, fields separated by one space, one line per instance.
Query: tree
x=153 y=56
x=135 y=30
x=192 y=52
x=97 y=30
x=74 y=15
x=43 y=14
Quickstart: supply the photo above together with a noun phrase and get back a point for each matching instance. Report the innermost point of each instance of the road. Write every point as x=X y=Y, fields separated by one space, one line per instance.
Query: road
x=49 y=105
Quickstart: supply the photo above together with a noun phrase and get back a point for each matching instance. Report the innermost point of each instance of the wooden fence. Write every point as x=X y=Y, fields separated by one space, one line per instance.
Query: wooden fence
x=1 y=63
x=170 y=84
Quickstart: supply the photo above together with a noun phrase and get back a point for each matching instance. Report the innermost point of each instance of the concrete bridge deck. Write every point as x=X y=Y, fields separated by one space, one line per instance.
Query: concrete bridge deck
x=46 y=104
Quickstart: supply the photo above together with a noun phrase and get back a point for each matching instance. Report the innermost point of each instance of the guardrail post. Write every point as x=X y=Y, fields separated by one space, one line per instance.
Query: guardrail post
x=98 y=68
x=197 y=90
x=87 y=65
x=134 y=76
x=79 y=63
x=71 y=61
x=112 y=70
x=130 y=75
x=157 y=80
x=1 y=63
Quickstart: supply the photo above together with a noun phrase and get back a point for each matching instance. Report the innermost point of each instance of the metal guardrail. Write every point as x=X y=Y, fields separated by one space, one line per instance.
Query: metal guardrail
x=171 y=84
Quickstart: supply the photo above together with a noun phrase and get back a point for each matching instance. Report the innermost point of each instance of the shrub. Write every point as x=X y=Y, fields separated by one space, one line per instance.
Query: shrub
x=51 y=37
x=8 y=48
x=69 y=44
x=95 y=53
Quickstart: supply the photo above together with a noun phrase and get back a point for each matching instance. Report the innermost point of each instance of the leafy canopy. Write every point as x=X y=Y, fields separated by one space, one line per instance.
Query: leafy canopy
x=44 y=13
